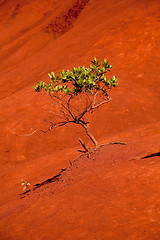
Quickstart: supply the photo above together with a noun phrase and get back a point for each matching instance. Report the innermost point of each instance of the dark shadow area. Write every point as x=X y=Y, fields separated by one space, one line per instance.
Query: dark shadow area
x=152 y=155
x=49 y=180
x=56 y=178
x=25 y=193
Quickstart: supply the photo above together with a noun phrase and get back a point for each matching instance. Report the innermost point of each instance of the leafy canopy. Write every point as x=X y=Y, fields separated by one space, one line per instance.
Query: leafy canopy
x=80 y=79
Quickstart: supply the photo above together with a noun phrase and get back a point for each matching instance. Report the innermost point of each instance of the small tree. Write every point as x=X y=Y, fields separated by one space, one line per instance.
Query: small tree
x=78 y=93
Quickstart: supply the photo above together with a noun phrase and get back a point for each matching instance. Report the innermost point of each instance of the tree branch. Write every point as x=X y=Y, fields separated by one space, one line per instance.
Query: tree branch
x=99 y=104
x=59 y=124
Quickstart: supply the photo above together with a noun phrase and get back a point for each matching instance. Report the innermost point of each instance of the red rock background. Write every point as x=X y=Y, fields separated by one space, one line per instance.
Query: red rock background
x=115 y=194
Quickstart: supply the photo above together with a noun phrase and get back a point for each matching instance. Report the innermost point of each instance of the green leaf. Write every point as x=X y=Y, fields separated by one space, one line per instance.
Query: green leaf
x=80 y=80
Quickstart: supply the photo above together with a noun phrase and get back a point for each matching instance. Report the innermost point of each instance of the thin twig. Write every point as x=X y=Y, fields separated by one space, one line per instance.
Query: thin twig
x=30 y=133
x=59 y=124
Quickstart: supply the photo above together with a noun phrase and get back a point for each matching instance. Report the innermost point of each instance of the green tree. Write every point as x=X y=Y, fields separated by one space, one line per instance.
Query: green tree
x=78 y=93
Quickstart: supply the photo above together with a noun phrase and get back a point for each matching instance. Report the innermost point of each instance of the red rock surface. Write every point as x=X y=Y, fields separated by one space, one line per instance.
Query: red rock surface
x=116 y=194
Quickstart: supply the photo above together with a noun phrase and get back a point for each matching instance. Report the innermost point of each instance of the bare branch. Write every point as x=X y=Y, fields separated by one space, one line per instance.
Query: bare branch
x=54 y=125
x=94 y=100
x=66 y=116
x=29 y=133
x=68 y=104
x=78 y=93
x=98 y=105
x=92 y=108
x=88 y=99
x=83 y=145
x=52 y=96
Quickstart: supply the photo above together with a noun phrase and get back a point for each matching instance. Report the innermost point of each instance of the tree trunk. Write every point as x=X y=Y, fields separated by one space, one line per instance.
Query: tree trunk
x=86 y=127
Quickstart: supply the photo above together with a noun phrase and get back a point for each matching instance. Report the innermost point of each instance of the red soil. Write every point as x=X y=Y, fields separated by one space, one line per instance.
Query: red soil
x=115 y=194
